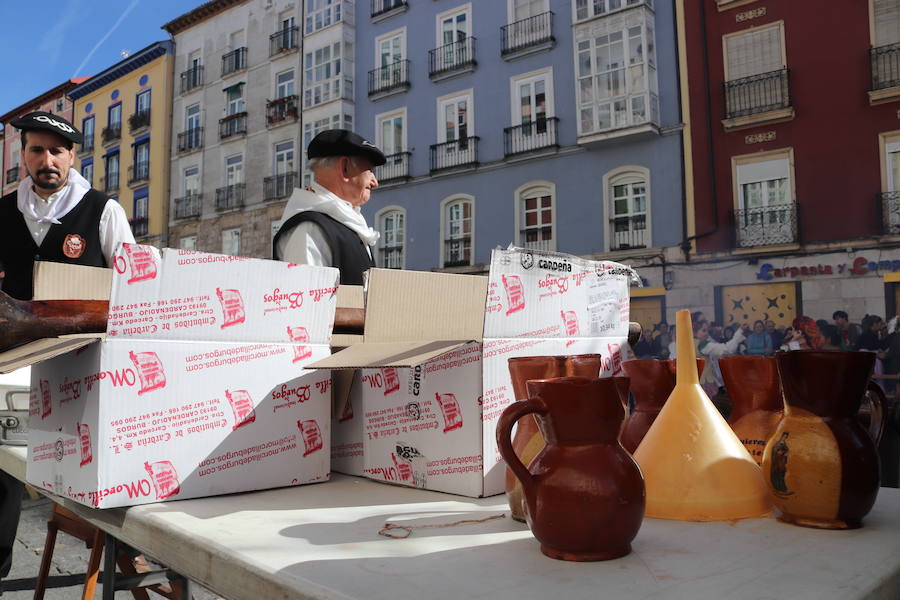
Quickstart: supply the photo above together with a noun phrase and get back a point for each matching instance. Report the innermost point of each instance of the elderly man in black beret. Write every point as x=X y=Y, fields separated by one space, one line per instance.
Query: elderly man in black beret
x=54 y=215
x=322 y=224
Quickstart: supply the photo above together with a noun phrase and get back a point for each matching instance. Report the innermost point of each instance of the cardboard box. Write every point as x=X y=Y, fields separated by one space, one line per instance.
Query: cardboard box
x=199 y=388
x=433 y=376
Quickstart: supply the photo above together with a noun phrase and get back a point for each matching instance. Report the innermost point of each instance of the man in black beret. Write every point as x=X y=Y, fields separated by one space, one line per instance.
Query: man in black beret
x=322 y=224
x=54 y=215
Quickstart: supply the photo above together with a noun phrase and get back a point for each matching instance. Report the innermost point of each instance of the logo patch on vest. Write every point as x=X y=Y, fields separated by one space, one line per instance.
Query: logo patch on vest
x=74 y=245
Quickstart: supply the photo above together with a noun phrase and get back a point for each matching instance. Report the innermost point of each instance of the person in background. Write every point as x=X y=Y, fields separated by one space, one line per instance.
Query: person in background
x=661 y=340
x=775 y=336
x=759 y=343
x=872 y=339
x=323 y=224
x=711 y=350
x=793 y=340
x=644 y=346
x=850 y=332
x=672 y=344
x=812 y=335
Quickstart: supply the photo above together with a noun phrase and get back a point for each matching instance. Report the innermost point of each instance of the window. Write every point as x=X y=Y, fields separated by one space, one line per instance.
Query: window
x=587 y=9
x=284 y=84
x=112 y=172
x=141 y=168
x=191 y=181
x=87 y=128
x=60 y=105
x=87 y=170
x=285 y=37
x=453 y=26
x=765 y=212
x=753 y=52
x=616 y=71
x=322 y=13
x=534 y=215
x=284 y=158
x=890 y=197
x=392 y=225
x=627 y=193
x=456 y=120
x=390 y=49
x=192 y=117
x=457 y=229
x=114 y=116
x=311 y=130
x=390 y=134
x=454 y=48
x=282 y=182
x=234 y=170
x=142 y=102
x=234 y=99
x=886 y=16
x=188 y=242
x=323 y=80
x=140 y=211
x=231 y=241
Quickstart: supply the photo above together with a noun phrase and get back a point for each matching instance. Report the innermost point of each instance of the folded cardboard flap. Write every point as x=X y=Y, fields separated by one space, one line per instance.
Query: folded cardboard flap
x=387 y=354
x=350 y=296
x=60 y=281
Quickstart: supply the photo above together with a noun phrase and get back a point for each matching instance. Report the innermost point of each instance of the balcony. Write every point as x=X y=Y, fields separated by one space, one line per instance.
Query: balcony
x=12 y=175
x=282 y=109
x=383 y=9
x=189 y=206
x=192 y=78
x=233 y=61
x=233 y=125
x=890 y=211
x=537 y=238
x=230 y=197
x=452 y=59
x=391 y=257
x=530 y=137
x=87 y=145
x=389 y=79
x=769 y=226
x=110 y=183
x=139 y=173
x=527 y=36
x=763 y=98
x=139 y=120
x=280 y=186
x=112 y=133
x=395 y=168
x=628 y=232
x=190 y=140
x=455 y=154
x=283 y=41
x=139 y=226
x=458 y=252
x=885 y=73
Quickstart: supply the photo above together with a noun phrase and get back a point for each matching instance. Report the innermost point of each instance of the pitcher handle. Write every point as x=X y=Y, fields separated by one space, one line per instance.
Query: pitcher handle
x=878 y=418
x=508 y=418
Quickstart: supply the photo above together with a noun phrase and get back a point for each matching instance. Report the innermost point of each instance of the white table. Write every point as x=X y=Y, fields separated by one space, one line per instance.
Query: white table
x=321 y=541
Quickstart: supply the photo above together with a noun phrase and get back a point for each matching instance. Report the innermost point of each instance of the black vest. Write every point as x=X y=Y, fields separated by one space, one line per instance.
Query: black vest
x=348 y=252
x=76 y=240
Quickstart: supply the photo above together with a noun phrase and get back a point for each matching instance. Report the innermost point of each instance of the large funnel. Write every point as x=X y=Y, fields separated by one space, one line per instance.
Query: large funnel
x=694 y=466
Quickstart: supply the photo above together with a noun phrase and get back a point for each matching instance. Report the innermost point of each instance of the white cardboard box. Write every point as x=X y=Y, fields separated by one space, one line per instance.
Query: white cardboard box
x=199 y=387
x=434 y=376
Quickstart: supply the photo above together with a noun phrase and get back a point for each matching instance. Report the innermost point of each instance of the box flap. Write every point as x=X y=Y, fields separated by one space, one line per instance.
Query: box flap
x=416 y=306
x=390 y=354
x=350 y=296
x=39 y=350
x=60 y=281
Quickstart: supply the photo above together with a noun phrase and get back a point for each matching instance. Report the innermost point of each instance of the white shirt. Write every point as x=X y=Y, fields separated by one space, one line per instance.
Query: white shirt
x=40 y=214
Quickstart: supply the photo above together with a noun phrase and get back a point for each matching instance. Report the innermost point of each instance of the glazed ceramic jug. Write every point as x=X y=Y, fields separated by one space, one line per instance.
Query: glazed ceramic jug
x=584 y=495
x=651 y=382
x=820 y=464
x=752 y=385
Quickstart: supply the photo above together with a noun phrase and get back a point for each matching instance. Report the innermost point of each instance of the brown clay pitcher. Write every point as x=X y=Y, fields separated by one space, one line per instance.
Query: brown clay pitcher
x=584 y=495
x=752 y=385
x=821 y=466
x=651 y=383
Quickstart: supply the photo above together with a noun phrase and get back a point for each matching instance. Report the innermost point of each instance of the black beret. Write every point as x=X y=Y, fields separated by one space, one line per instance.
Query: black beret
x=49 y=122
x=340 y=142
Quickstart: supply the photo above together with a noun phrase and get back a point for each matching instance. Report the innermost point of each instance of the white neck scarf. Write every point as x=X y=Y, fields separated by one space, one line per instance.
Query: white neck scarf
x=323 y=201
x=34 y=208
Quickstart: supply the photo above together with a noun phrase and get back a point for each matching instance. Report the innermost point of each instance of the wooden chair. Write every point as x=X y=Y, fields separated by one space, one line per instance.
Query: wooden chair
x=68 y=522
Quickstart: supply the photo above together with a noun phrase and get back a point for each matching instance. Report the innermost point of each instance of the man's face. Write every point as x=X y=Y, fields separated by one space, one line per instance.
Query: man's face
x=770 y=326
x=47 y=160
x=359 y=180
x=841 y=322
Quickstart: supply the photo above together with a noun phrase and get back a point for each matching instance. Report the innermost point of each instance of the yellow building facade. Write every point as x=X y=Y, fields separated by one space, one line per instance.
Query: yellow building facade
x=125 y=115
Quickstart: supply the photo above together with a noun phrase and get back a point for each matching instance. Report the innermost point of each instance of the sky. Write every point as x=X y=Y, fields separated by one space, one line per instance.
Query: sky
x=43 y=44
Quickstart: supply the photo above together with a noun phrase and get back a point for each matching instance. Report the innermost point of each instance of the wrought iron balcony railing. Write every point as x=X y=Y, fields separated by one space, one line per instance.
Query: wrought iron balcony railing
x=527 y=33
x=757 y=94
x=192 y=78
x=532 y=136
x=391 y=257
x=139 y=119
x=395 y=168
x=454 y=154
x=191 y=139
x=380 y=7
x=139 y=172
x=234 y=61
x=111 y=133
x=388 y=78
x=281 y=109
x=12 y=175
x=458 y=252
x=767 y=226
x=537 y=238
x=890 y=212
x=284 y=40
x=280 y=186
x=233 y=125
x=454 y=56
x=230 y=196
x=189 y=206
x=628 y=232
x=139 y=226
x=885 y=66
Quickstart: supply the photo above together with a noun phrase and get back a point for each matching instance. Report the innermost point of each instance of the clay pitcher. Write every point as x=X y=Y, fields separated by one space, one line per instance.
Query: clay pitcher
x=821 y=466
x=752 y=384
x=584 y=495
x=652 y=381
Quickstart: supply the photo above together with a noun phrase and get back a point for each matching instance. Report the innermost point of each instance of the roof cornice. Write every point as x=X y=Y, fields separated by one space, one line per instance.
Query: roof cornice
x=123 y=67
x=199 y=14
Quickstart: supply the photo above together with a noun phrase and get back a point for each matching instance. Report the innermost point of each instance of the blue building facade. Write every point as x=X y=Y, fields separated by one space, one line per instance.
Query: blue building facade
x=551 y=124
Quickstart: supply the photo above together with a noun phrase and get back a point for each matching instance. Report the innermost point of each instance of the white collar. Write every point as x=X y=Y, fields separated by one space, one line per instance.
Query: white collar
x=59 y=204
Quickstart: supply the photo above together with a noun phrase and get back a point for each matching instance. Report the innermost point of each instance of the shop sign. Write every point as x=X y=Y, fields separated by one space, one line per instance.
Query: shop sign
x=860 y=266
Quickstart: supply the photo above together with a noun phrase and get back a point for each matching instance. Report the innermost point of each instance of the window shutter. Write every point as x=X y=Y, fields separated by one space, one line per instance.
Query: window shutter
x=887 y=22
x=754 y=52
